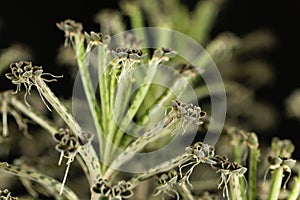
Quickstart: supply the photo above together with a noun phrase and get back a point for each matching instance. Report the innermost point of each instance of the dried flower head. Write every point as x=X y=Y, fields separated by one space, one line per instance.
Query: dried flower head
x=70 y=28
x=166 y=184
x=120 y=191
x=25 y=73
x=227 y=170
x=163 y=54
x=198 y=153
x=94 y=39
x=284 y=162
x=68 y=146
x=282 y=148
x=189 y=113
x=124 y=61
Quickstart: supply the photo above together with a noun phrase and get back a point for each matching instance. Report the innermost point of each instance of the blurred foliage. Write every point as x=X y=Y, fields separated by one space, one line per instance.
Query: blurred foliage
x=239 y=59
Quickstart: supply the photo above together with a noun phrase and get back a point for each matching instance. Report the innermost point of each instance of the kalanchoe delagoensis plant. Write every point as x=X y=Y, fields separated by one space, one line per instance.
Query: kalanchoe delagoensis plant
x=117 y=103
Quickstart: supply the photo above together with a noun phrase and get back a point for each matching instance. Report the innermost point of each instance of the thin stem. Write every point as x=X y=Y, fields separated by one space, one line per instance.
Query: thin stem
x=185 y=192
x=88 y=87
x=137 y=146
x=237 y=152
x=44 y=123
x=237 y=157
x=276 y=183
x=235 y=189
x=103 y=87
x=138 y=99
x=176 y=90
x=163 y=167
x=295 y=192
x=4 y=118
x=252 y=176
x=136 y=21
x=123 y=94
x=50 y=183
x=87 y=152
x=204 y=15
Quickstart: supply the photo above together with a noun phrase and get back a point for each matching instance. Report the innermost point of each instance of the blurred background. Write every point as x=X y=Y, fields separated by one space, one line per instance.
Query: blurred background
x=32 y=25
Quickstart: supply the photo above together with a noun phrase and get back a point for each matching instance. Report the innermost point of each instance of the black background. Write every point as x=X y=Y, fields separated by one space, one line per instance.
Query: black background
x=33 y=24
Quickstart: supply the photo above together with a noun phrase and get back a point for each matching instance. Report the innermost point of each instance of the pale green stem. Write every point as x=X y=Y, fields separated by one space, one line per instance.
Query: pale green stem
x=124 y=88
x=4 y=118
x=112 y=90
x=252 y=176
x=139 y=144
x=176 y=90
x=103 y=87
x=237 y=152
x=138 y=99
x=295 y=192
x=44 y=123
x=185 y=192
x=237 y=157
x=87 y=152
x=235 y=190
x=204 y=16
x=88 y=87
x=163 y=167
x=48 y=182
x=276 y=183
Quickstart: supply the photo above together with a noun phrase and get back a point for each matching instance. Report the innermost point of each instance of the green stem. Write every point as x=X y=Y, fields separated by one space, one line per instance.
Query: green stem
x=176 y=90
x=276 y=184
x=3 y=110
x=204 y=16
x=45 y=124
x=163 y=167
x=103 y=87
x=88 y=87
x=160 y=129
x=138 y=99
x=237 y=152
x=185 y=192
x=123 y=94
x=252 y=176
x=235 y=190
x=87 y=153
x=48 y=182
x=295 y=192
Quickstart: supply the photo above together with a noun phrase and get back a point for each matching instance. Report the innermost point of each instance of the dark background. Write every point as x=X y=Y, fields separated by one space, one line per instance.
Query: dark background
x=33 y=24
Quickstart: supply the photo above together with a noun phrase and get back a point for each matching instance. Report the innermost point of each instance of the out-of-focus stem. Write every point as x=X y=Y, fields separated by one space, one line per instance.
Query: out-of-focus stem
x=276 y=184
x=295 y=192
